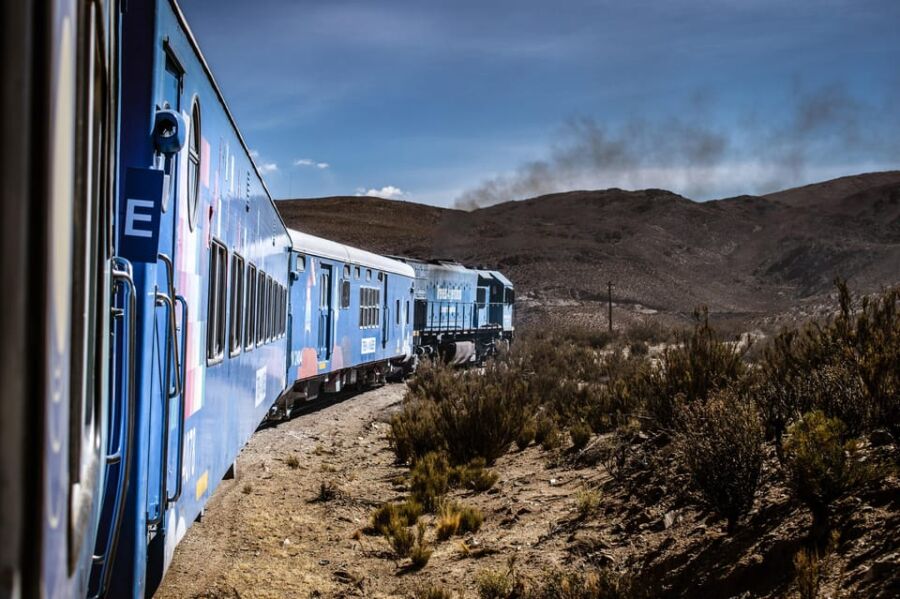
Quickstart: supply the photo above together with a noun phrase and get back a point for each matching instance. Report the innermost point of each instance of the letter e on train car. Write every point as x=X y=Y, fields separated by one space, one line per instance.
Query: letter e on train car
x=140 y=214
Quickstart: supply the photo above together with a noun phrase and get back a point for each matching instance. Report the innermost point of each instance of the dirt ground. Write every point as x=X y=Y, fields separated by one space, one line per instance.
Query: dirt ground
x=266 y=533
x=272 y=533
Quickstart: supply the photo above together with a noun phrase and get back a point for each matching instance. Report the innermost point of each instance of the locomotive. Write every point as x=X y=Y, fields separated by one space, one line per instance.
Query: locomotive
x=160 y=308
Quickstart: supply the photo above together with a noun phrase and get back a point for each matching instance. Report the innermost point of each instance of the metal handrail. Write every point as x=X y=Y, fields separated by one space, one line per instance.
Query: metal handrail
x=162 y=298
x=460 y=319
x=126 y=437
x=180 y=466
x=170 y=278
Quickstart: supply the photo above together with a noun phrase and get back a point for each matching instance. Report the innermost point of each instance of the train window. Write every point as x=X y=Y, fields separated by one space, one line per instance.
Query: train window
x=301 y=263
x=398 y=312
x=237 y=305
x=346 y=271
x=215 y=316
x=368 y=274
x=381 y=276
x=510 y=295
x=345 y=294
x=194 y=165
x=270 y=310
x=250 y=319
x=480 y=295
x=369 y=307
x=260 y=307
x=407 y=312
x=358 y=271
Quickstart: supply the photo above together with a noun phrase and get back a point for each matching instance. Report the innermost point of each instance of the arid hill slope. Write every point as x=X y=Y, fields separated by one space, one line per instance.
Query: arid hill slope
x=743 y=256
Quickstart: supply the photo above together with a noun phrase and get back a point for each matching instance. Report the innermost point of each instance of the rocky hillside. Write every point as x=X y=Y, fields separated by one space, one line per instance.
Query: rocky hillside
x=747 y=256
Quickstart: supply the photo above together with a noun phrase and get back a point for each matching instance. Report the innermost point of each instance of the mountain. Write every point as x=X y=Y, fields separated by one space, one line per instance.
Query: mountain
x=744 y=257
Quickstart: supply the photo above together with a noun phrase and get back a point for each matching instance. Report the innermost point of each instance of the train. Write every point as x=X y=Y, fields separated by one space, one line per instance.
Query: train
x=157 y=308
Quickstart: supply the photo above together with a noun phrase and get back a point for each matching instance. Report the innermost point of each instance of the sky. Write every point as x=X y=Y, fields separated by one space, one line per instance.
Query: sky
x=468 y=103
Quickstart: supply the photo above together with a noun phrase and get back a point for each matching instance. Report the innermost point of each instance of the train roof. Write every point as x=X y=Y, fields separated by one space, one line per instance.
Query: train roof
x=325 y=248
x=497 y=275
x=188 y=32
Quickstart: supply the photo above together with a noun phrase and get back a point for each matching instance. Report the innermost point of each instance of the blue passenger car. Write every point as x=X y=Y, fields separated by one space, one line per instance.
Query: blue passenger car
x=59 y=274
x=350 y=317
x=461 y=313
x=210 y=264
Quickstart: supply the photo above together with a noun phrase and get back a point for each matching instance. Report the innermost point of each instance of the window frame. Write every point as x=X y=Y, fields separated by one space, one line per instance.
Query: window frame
x=194 y=166
x=250 y=308
x=236 y=305
x=216 y=307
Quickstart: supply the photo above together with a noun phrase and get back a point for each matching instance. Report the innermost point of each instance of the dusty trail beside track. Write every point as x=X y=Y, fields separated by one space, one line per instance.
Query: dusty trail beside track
x=266 y=534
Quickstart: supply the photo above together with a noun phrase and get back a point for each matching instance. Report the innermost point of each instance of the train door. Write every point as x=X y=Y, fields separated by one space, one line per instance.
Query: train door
x=496 y=304
x=385 y=312
x=165 y=414
x=481 y=307
x=325 y=319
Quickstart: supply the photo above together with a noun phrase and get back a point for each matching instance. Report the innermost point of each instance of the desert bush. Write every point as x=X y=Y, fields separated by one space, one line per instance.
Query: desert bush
x=690 y=372
x=649 y=332
x=526 y=435
x=247 y=489
x=456 y=518
x=420 y=552
x=808 y=573
x=587 y=502
x=495 y=584
x=821 y=466
x=544 y=425
x=600 y=584
x=429 y=480
x=432 y=592
x=638 y=348
x=399 y=537
x=552 y=439
x=407 y=513
x=414 y=430
x=848 y=367
x=580 y=434
x=473 y=476
x=292 y=461
x=720 y=444
x=328 y=491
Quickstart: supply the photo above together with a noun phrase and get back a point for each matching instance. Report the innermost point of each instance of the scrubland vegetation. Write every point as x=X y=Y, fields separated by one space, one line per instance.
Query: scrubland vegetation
x=816 y=411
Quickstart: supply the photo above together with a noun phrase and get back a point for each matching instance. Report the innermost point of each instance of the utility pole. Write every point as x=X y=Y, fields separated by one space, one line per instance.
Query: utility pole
x=609 y=298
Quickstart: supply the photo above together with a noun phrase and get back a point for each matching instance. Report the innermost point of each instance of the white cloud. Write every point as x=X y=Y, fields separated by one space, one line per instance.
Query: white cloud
x=268 y=167
x=388 y=192
x=254 y=154
x=311 y=163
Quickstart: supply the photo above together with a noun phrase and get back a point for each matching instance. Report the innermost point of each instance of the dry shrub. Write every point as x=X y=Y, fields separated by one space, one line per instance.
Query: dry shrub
x=847 y=367
x=587 y=502
x=526 y=435
x=420 y=552
x=473 y=476
x=432 y=592
x=447 y=523
x=495 y=584
x=544 y=425
x=414 y=430
x=821 y=466
x=690 y=372
x=600 y=584
x=552 y=438
x=430 y=480
x=720 y=442
x=808 y=573
x=328 y=491
x=457 y=518
x=580 y=434
x=292 y=461
x=399 y=537
x=407 y=513
x=467 y=414
x=485 y=414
